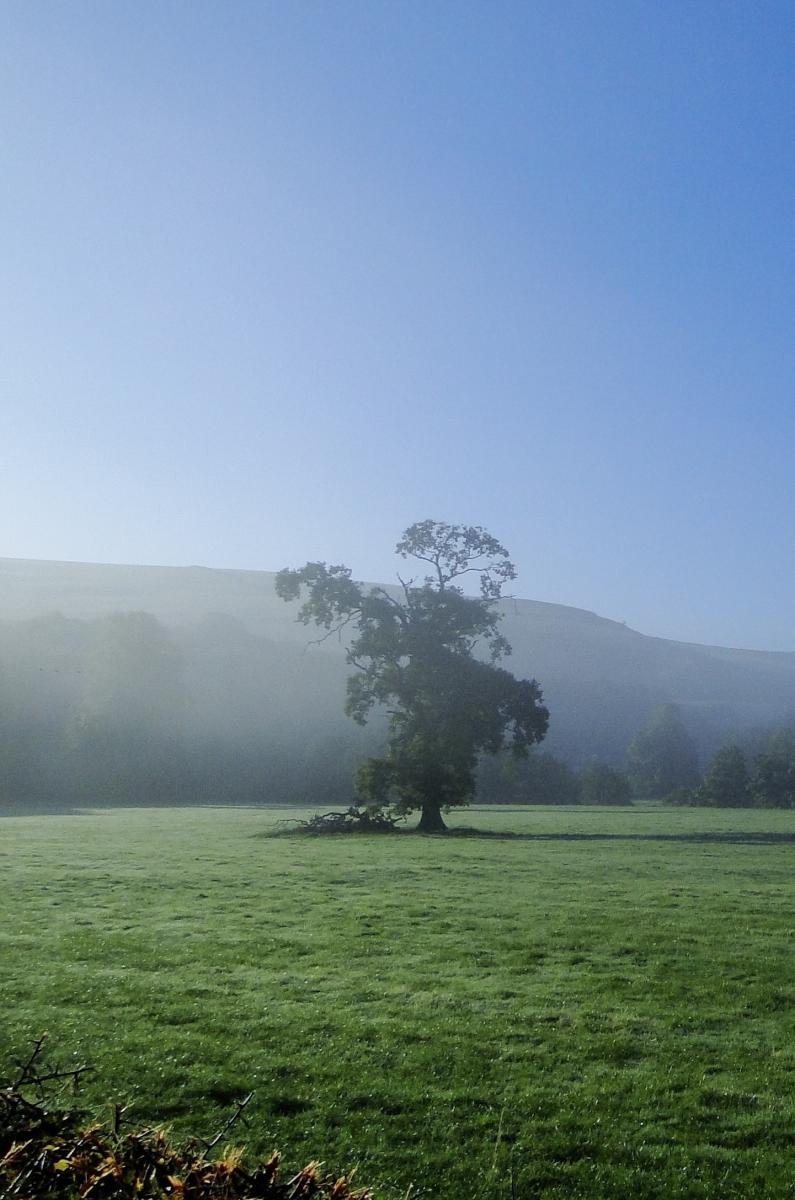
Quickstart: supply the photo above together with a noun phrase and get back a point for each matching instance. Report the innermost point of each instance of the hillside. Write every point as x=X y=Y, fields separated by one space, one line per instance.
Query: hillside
x=600 y=678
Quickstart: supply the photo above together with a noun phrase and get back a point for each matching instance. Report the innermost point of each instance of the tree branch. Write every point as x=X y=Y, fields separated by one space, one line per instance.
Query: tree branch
x=26 y=1067
x=398 y=607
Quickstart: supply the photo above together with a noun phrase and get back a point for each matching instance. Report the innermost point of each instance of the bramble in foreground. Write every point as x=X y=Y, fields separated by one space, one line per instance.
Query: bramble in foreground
x=49 y=1154
x=414 y=653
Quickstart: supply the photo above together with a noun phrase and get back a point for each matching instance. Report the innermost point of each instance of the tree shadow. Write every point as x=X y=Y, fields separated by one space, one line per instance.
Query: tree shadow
x=728 y=838
x=42 y=810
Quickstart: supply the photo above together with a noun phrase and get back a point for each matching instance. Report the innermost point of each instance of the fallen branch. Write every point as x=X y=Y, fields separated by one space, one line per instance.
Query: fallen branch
x=352 y=820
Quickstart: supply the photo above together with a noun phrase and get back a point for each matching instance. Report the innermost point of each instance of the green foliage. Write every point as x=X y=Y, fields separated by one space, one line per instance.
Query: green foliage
x=535 y=778
x=453 y=551
x=414 y=654
x=600 y=784
x=662 y=756
x=773 y=780
x=729 y=784
x=726 y=783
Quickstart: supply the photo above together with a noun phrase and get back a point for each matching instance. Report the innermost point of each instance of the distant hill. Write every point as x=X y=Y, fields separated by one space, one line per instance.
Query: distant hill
x=600 y=678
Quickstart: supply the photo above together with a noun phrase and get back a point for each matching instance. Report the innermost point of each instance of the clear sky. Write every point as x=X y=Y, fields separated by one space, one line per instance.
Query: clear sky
x=281 y=278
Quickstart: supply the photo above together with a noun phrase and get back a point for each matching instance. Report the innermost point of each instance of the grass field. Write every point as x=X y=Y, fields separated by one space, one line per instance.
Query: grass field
x=602 y=1007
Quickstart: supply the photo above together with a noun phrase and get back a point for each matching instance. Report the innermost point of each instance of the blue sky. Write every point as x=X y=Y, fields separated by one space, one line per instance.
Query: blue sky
x=281 y=278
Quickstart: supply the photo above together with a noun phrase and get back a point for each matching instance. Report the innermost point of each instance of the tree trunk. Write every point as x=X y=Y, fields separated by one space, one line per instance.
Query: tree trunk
x=431 y=819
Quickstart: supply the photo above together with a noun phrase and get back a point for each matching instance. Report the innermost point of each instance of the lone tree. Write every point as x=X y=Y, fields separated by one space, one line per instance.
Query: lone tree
x=414 y=650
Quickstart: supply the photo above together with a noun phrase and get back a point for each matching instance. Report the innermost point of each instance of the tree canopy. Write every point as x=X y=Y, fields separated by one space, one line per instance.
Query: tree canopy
x=428 y=654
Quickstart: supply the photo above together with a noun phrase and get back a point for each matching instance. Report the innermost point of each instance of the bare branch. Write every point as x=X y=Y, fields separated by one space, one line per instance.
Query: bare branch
x=73 y=1073
x=407 y=585
x=25 y=1069
x=330 y=632
x=236 y=1115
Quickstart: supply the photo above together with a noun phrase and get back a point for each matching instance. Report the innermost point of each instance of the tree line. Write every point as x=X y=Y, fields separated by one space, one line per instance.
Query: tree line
x=755 y=769
x=123 y=710
x=120 y=709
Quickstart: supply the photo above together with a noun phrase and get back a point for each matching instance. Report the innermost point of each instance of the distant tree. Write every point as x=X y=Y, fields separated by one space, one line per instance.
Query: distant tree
x=662 y=756
x=600 y=784
x=126 y=728
x=133 y=677
x=726 y=783
x=41 y=660
x=772 y=781
x=414 y=653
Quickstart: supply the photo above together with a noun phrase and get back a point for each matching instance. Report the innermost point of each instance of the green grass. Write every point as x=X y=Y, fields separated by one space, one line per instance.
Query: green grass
x=603 y=1007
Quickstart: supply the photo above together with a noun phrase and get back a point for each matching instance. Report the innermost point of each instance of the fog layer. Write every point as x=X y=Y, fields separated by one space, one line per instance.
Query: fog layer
x=160 y=685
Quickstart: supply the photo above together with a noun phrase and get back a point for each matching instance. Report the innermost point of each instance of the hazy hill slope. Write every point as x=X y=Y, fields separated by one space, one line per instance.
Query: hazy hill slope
x=600 y=678
x=175 y=595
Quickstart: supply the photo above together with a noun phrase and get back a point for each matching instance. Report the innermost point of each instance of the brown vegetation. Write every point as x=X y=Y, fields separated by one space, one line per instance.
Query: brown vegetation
x=49 y=1153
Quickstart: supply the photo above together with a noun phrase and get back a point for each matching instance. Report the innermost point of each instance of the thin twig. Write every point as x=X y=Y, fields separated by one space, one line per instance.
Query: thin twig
x=23 y=1076
x=338 y=628
x=72 y=1073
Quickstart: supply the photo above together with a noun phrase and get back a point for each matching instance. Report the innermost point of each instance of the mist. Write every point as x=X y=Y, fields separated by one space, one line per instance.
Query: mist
x=141 y=685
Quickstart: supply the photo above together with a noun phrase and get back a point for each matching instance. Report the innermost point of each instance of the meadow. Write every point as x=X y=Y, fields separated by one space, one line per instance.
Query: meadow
x=600 y=1006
